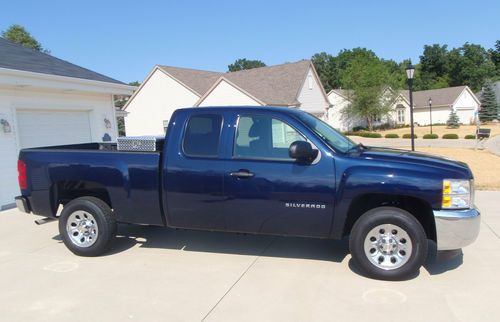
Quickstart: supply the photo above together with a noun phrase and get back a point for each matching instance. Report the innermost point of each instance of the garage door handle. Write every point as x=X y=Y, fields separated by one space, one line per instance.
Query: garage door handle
x=242 y=174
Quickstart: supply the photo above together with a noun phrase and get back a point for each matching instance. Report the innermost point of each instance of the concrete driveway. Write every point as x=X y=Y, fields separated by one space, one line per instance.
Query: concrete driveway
x=155 y=274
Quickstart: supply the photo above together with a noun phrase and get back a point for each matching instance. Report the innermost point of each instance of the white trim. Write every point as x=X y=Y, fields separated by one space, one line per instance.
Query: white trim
x=86 y=84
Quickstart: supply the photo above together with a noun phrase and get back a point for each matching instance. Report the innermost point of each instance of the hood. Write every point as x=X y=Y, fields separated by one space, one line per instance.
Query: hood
x=417 y=159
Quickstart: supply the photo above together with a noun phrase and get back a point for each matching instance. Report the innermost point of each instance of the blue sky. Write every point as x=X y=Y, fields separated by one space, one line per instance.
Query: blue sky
x=125 y=39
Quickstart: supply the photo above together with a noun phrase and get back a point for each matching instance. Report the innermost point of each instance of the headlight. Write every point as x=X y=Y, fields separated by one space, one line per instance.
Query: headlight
x=457 y=194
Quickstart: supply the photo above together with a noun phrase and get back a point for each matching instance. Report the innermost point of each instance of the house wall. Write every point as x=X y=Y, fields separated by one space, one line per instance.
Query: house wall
x=335 y=117
x=466 y=106
x=12 y=99
x=225 y=94
x=154 y=103
x=440 y=114
x=311 y=95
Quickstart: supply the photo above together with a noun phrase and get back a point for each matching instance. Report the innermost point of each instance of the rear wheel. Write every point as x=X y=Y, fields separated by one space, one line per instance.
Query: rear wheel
x=388 y=243
x=87 y=226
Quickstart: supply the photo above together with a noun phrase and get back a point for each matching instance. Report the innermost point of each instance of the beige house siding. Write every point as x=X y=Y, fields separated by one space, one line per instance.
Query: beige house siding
x=153 y=104
x=311 y=95
x=225 y=94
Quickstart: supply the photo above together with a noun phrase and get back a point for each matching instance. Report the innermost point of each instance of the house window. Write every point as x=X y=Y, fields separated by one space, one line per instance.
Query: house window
x=310 y=81
x=165 y=126
x=401 y=115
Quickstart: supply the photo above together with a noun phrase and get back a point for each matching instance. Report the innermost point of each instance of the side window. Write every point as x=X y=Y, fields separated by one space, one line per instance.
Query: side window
x=202 y=135
x=264 y=137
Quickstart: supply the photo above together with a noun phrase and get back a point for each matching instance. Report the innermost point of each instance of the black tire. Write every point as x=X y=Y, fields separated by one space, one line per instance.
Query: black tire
x=104 y=220
x=391 y=216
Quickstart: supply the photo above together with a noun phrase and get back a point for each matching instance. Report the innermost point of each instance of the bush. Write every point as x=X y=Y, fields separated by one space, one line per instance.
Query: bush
x=358 y=128
x=408 y=136
x=384 y=126
x=371 y=135
x=450 y=136
x=391 y=136
x=353 y=133
x=470 y=137
x=430 y=136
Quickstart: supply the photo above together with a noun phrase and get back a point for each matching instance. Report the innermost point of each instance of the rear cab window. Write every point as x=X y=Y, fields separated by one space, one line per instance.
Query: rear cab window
x=202 y=136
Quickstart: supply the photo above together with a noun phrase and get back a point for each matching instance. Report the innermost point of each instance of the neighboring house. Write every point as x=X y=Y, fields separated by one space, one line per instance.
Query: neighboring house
x=48 y=101
x=444 y=100
x=166 y=89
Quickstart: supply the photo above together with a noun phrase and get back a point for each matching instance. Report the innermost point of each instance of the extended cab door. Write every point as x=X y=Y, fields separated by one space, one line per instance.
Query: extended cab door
x=193 y=171
x=267 y=191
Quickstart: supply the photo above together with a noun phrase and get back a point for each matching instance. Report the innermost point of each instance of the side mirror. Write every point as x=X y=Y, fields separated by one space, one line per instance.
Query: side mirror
x=302 y=151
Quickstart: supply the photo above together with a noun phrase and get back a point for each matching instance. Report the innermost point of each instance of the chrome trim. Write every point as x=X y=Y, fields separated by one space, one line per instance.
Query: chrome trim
x=456 y=228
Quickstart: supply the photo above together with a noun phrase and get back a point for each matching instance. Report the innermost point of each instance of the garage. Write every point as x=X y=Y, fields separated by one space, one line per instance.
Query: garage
x=46 y=127
x=46 y=101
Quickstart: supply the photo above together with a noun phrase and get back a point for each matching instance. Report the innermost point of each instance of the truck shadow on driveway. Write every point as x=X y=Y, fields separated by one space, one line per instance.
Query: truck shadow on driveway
x=129 y=236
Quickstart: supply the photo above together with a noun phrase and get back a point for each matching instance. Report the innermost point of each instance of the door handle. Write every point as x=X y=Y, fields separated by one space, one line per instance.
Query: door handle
x=242 y=174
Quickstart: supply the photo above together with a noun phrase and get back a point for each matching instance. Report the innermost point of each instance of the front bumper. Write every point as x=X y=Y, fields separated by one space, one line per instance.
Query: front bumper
x=456 y=228
x=23 y=204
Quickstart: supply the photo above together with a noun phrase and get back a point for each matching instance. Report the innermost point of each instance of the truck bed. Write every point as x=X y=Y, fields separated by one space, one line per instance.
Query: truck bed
x=129 y=181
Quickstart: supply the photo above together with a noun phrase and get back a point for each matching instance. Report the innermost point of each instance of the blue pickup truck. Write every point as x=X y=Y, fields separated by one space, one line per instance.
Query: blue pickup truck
x=259 y=170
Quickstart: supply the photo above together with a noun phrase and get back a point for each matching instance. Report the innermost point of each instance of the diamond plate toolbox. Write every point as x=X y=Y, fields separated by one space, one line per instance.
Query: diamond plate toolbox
x=137 y=143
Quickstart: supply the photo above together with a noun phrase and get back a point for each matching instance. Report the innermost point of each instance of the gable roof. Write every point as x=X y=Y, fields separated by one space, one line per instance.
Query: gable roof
x=440 y=97
x=17 y=57
x=273 y=85
x=197 y=80
x=345 y=93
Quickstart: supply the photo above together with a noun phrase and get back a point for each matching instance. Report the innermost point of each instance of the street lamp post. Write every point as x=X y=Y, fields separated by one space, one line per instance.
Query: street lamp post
x=410 y=71
x=430 y=112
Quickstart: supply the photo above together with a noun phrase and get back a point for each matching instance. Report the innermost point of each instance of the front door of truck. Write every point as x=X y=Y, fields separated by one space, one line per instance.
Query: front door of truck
x=267 y=191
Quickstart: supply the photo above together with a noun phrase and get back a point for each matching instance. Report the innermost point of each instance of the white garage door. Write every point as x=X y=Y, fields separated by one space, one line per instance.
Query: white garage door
x=45 y=128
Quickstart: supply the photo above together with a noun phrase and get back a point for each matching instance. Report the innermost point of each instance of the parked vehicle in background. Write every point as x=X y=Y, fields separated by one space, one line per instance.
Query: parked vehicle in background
x=260 y=170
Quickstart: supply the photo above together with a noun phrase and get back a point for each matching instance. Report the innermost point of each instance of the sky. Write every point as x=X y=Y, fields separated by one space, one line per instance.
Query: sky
x=126 y=39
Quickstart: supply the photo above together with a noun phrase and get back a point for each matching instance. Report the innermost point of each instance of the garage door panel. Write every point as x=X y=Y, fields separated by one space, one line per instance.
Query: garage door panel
x=45 y=128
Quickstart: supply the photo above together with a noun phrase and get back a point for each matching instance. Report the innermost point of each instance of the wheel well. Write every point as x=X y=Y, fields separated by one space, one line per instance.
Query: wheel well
x=65 y=191
x=417 y=207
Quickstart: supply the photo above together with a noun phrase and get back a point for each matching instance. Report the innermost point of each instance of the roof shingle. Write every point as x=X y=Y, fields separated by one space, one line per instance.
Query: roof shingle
x=440 y=97
x=14 y=56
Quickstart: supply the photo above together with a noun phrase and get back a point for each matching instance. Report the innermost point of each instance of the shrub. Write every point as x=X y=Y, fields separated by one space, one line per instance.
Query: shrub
x=470 y=137
x=430 y=136
x=353 y=133
x=408 y=136
x=371 y=135
x=449 y=136
x=391 y=136
x=358 y=128
x=384 y=126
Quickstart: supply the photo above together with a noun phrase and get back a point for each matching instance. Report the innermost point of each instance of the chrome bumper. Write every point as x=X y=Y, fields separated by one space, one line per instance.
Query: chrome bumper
x=456 y=228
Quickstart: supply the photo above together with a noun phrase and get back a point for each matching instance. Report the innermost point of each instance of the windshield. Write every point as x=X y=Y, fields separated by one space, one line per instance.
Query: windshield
x=332 y=137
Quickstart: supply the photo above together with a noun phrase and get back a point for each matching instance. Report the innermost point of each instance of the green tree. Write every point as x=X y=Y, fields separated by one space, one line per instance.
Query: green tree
x=470 y=65
x=243 y=63
x=19 y=35
x=495 y=57
x=325 y=67
x=453 y=121
x=489 y=107
x=434 y=67
x=368 y=77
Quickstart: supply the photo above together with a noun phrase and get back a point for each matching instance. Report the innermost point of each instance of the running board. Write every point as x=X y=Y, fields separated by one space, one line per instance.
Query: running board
x=44 y=220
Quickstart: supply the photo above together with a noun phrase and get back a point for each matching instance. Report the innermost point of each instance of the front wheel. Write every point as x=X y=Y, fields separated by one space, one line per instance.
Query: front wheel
x=87 y=226
x=388 y=243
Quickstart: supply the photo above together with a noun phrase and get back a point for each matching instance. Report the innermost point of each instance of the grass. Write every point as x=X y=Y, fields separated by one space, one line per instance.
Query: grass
x=462 y=131
x=484 y=165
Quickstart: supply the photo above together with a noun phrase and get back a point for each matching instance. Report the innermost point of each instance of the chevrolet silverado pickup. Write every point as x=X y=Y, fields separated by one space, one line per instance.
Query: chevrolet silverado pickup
x=258 y=170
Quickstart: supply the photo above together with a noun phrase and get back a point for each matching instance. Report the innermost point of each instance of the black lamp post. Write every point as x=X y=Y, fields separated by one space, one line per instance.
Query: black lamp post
x=410 y=71
x=430 y=111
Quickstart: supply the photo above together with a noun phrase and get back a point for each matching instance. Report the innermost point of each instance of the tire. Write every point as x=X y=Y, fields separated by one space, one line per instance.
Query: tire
x=87 y=226
x=388 y=243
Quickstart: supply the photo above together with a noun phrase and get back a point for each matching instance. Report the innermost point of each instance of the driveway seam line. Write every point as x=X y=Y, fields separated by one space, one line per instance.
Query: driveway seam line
x=494 y=233
x=239 y=278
